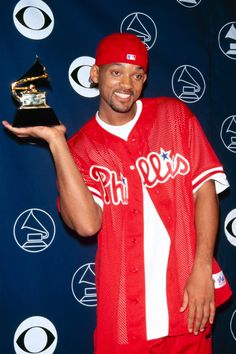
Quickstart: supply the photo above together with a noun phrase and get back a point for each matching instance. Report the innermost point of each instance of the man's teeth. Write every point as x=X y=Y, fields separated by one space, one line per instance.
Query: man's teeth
x=122 y=95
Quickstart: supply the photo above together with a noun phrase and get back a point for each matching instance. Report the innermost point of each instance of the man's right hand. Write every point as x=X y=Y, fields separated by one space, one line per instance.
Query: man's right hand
x=41 y=132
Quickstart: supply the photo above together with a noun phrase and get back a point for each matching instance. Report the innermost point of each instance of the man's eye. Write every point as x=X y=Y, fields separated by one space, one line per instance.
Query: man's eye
x=115 y=73
x=138 y=76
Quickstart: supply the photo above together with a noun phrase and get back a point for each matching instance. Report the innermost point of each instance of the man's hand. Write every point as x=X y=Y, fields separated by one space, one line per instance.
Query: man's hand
x=198 y=294
x=198 y=297
x=41 y=132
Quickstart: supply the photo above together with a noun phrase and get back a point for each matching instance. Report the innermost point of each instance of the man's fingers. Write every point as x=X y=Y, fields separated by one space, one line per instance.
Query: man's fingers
x=191 y=317
x=41 y=132
x=185 y=302
x=212 y=312
x=21 y=132
x=205 y=317
x=199 y=316
x=6 y=124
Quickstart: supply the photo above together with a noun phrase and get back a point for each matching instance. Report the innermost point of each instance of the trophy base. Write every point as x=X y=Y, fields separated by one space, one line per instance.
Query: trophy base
x=32 y=117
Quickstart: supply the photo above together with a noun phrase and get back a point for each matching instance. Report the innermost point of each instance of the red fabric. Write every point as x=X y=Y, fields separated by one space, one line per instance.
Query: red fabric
x=111 y=168
x=184 y=344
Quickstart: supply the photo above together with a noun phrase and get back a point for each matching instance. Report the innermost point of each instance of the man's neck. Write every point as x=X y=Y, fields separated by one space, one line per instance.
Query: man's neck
x=112 y=117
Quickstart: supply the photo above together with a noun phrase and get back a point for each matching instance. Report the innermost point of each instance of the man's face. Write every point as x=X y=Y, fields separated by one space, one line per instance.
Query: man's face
x=120 y=85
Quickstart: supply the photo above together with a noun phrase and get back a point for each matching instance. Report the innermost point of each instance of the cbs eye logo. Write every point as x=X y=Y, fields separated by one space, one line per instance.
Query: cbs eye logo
x=79 y=76
x=33 y=19
x=35 y=335
x=230 y=227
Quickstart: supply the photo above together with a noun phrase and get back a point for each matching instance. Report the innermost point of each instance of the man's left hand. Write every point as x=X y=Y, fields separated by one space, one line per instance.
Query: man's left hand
x=198 y=297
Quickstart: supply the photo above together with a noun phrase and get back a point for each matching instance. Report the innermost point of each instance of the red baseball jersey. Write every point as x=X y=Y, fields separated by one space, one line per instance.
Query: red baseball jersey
x=144 y=175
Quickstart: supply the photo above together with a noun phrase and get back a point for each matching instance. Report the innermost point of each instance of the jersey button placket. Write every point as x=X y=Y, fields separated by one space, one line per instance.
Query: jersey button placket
x=134 y=240
x=134 y=269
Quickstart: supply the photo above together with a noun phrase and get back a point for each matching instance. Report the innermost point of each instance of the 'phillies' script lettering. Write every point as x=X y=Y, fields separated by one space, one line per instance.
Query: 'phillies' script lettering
x=158 y=168
x=109 y=179
x=153 y=169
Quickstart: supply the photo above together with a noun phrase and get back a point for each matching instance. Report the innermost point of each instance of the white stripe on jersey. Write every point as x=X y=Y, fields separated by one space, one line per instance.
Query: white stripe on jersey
x=220 y=179
x=156 y=253
x=96 y=196
x=203 y=174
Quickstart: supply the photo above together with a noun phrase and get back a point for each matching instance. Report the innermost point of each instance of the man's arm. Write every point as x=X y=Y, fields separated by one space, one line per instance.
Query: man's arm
x=78 y=209
x=199 y=291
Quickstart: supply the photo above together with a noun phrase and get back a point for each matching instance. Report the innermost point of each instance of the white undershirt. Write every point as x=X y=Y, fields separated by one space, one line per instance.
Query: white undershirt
x=121 y=130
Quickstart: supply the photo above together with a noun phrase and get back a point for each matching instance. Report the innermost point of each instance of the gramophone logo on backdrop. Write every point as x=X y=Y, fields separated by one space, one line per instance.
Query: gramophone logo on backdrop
x=188 y=83
x=227 y=40
x=79 y=73
x=189 y=3
x=142 y=26
x=233 y=325
x=83 y=285
x=230 y=227
x=228 y=133
x=34 y=230
x=33 y=19
x=35 y=335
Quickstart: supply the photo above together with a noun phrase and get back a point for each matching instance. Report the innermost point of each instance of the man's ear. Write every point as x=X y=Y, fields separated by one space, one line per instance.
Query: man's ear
x=145 y=77
x=94 y=74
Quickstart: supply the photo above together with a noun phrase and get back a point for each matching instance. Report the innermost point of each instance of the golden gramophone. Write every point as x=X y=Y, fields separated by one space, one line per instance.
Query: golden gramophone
x=33 y=110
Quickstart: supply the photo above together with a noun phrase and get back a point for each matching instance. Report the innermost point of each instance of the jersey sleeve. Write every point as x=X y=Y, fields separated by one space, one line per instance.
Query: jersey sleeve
x=205 y=165
x=84 y=168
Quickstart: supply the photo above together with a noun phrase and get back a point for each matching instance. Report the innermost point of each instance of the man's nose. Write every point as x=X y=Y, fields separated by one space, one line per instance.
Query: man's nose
x=126 y=81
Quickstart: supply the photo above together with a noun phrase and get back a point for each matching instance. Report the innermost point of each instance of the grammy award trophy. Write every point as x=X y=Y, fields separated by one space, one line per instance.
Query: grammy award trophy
x=33 y=110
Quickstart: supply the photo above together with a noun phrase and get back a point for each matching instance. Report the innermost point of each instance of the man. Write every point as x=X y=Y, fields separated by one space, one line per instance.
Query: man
x=142 y=174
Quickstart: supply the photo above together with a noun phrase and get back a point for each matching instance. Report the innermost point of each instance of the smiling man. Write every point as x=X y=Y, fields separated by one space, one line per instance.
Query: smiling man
x=142 y=175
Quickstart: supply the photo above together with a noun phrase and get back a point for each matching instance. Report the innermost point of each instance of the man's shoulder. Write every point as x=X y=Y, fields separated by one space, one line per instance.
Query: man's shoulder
x=162 y=101
x=86 y=129
x=165 y=104
x=158 y=99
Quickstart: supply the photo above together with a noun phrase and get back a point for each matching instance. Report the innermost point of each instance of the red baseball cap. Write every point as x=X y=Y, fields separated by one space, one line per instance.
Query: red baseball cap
x=122 y=48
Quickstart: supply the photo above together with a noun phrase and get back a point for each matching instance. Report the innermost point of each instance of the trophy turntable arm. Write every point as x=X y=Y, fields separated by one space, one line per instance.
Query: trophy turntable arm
x=15 y=85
